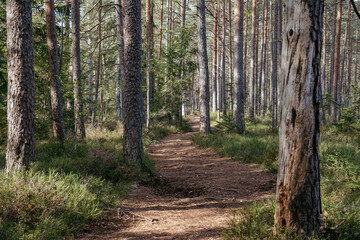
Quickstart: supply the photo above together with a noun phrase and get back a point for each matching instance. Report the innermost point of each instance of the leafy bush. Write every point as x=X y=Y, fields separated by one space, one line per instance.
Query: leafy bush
x=38 y=205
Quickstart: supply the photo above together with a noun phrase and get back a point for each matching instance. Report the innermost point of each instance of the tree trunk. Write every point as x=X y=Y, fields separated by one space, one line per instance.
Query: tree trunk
x=275 y=65
x=98 y=69
x=21 y=86
x=149 y=36
x=133 y=97
x=263 y=68
x=347 y=93
x=231 y=69
x=75 y=52
x=161 y=26
x=331 y=67
x=203 y=69
x=55 y=93
x=253 y=62
x=336 y=93
x=223 y=78
x=120 y=68
x=298 y=203
x=245 y=52
x=239 y=99
x=214 y=59
x=324 y=61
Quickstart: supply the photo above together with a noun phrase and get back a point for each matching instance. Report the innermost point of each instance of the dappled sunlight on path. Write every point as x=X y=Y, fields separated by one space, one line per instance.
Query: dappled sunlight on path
x=195 y=199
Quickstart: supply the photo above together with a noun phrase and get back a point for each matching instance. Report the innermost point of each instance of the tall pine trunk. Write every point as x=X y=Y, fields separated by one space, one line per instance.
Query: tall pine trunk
x=203 y=69
x=133 y=98
x=76 y=65
x=239 y=99
x=120 y=68
x=21 y=86
x=253 y=63
x=149 y=37
x=55 y=93
x=335 y=87
x=298 y=203
x=214 y=60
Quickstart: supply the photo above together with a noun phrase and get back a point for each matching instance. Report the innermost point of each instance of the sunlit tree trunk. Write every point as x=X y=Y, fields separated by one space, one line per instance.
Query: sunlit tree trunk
x=253 y=63
x=55 y=93
x=203 y=69
x=336 y=93
x=21 y=86
x=133 y=98
x=239 y=99
x=263 y=73
x=98 y=69
x=75 y=52
x=149 y=37
x=298 y=203
x=214 y=60
x=231 y=69
x=223 y=77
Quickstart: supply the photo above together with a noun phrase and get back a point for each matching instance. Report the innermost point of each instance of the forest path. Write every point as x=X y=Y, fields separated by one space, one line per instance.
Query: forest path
x=192 y=201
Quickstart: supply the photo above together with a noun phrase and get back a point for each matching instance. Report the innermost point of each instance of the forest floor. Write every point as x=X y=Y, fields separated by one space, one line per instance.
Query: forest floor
x=192 y=198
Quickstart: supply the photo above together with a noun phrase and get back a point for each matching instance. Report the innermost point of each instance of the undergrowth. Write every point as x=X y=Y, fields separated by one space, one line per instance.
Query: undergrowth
x=70 y=185
x=340 y=182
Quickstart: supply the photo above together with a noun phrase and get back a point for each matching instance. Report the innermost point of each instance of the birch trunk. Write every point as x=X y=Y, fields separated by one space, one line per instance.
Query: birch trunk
x=149 y=36
x=253 y=63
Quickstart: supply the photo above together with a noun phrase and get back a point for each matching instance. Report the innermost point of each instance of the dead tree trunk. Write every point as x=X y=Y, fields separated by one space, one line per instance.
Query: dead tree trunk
x=298 y=203
x=203 y=69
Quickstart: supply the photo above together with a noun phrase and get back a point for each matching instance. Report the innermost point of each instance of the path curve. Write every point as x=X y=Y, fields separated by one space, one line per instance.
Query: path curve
x=194 y=199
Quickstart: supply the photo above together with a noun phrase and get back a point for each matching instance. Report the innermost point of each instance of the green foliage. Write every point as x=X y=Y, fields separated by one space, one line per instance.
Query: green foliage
x=39 y=205
x=259 y=144
x=340 y=182
x=256 y=221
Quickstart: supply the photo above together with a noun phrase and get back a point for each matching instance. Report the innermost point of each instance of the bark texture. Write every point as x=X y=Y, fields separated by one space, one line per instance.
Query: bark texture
x=75 y=52
x=203 y=69
x=133 y=97
x=336 y=78
x=149 y=36
x=21 y=85
x=298 y=203
x=214 y=60
x=120 y=69
x=238 y=66
x=253 y=63
x=55 y=93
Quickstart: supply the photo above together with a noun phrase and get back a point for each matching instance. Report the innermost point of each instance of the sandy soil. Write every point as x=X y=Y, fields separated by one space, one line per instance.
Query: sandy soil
x=193 y=200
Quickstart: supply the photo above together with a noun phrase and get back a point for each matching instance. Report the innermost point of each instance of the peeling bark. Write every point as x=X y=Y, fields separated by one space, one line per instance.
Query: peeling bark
x=298 y=203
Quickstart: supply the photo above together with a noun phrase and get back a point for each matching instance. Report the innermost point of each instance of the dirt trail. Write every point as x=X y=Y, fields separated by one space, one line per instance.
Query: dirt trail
x=193 y=201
